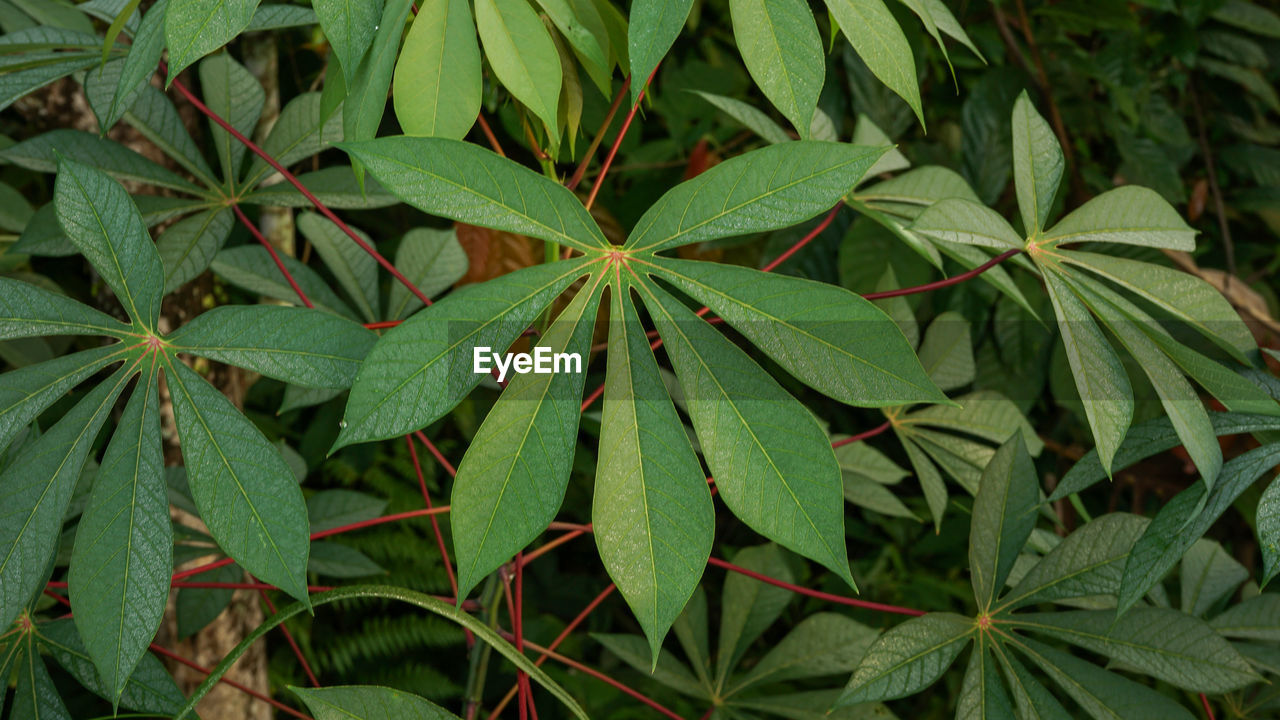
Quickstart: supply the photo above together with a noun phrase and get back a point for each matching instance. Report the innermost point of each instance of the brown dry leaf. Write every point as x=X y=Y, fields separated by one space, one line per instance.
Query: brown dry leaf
x=1251 y=306
x=494 y=252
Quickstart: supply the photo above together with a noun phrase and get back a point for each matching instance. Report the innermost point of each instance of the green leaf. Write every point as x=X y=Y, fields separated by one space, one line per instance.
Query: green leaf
x=1037 y=165
x=437 y=86
x=966 y=222
x=1151 y=438
x=1182 y=295
x=986 y=414
x=123 y=557
x=153 y=114
x=308 y=347
x=931 y=483
x=188 y=246
x=908 y=194
x=747 y=115
x=766 y=189
x=652 y=509
x=773 y=465
x=653 y=28
x=467 y=183
x=336 y=187
x=1182 y=521
x=349 y=26
x=329 y=509
x=1004 y=514
x=197 y=607
x=195 y=28
x=982 y=694
x=432 y=260
x=1209 y=574
x=1090 y=561
x=1166 y=644
x=1100 y=378
x=28 y=310
x=234 y=94
x=908 y=658
x=692 y=630
x=367 y=86
x=421 y=369
x=1268 y=527
x=583 y=41
x=748 y=606
x=139 y=64
x=355 y=269
x=1101 y=694
x=341 y=561
x=511 y=483
x=36 y=488
x=634 y=651
x=781 y=48
x=36 y=697
x=1032 y=698
x=824 y=643
x=280 y=15
x=866 y=132
x=1257 y=618
x=522 y=55
x=874 y=496
x=116 y=160
x=1128 y=215
x=246 y=493
x=880 y=42
x=302 y=130
x=936 y=16
x=368 y=702
x=252 y=268
x=865 y=359
x=20 y=83
x=28 y=391
x=103 y=223
x=947 y=351
x=149 y=689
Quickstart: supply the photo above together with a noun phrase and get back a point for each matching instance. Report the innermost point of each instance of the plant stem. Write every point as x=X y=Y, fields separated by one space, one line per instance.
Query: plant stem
x=479 y=664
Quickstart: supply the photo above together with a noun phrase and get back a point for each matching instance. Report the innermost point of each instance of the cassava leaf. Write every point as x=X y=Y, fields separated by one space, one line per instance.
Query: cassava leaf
x=349 y=26
x=368 y=702
x=28 y=391
x=782 y=50
x=963 y=221
x=188 y=246
x=302 y=130
x=36 y=697
x=149 y=689
x=880 y=42
x=908 y=658
x=1037 y=165
x=522 y=55
x=367 y=84
x=28 y=310
x=195 y=28
x=432 y=260
x=39 y=154
x=234 y=94
x=1103 y=695
x=140 y=63
x=1004 y=514
x=982 y=694
x=437 y=85
x=1089 y=561
x=1128 y=215
x=355 y=269
x=253 y=269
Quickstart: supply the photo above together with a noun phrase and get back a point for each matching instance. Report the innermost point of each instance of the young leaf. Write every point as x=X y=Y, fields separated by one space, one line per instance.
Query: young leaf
x=1128 y=215
x=1004 y=514
x=432 y=260
x=355 y=269
x=246 y=493
x=773 y=465
x=188 y=246
x=653 y=28
x=828 y=337
x=103 y=223
x=349 y=26
x=880 y=42
x=421 y=369
x=28 y=310
x=123 y=556
x=966 y=222
x=1166 y=644
x=235 y=94
x=908 y=658
x=781 y=48
x=1100 y=378
x=469 y=184
x=252 y=268
x=1037 y=165
x=652 y=510
x=522 y=55
x=437 y=86
x=766 y=189
x=511 y=484
x=36 y=488
x=1103 y=695
x=368 y=702
x=1090 y=561
x=309 y=347
x=195 y=28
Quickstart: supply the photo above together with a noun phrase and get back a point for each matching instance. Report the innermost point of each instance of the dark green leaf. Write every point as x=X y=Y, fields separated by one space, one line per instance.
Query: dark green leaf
x=349 y=26
x=188 y=246
x=781 y=48
x=908 y=658
x=150 y=689
x=235 y=95
x=368 y=702
x=253 y=269
x=195 y=28
x=1004 y=514
x=432 y=260
x=1101 y=694
x=110 y=157
x=28 y=310
x=1090 y=561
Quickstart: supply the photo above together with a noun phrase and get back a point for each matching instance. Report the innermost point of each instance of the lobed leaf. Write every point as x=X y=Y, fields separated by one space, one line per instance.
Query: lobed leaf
x=653 y=28
x=966 y=222
x=28 y=310
x=188 y=246
x=1128 y=215
x=1089 y=561
x=908 y=658
x=1037 y=165
x=1101 y=694
x=522 y=55
x=1004 y=514
x=880 y=42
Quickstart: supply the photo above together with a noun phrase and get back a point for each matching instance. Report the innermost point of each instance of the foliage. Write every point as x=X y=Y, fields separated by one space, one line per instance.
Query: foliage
x=753 y=288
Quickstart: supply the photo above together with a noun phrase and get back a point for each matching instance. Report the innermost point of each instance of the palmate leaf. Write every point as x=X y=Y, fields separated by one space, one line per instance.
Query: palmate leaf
x=1032 y=699
x=1004 y=514
x=1128 y=215
x=234 y=94
x=1038 y=164
x=252 y=268
x=28 y=391
x=1089 y=561
x=28 y=310
x=826 y=336
x=908 y=658
x=188 y=246
x=880 y=42
x=139 y=64
x=982 y=694
x=653 y=28
x=355 y=269
x=652 y=509
x=36 y=488
x=40 y=154
x=421 y=369
x=522 y=55
x=773 y=465
x=668 y=670
x=1101 y=694
x=432 y=260
x=469 y=184
x=368 y=702
x=748 y=607
x=247 y=495
x=782 y=50
x=1208 y=574
x=36 y=697
x=122 y=561
x=195 y=28
x=302 y=130
x=510 y=487
x=148 y=689
x=309 y=347
x=437 y=87
x=766 y=189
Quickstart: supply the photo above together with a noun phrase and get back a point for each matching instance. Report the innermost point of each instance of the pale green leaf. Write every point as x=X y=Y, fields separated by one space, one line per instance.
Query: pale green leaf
x=195 y=28
x=908 y=194
x=1257 y=618
x=984 y=413
x=469 y=184
x=367 y=85
x=766 y=189
x=246 y=493
x=432 y=260
x=368 y=702
x=947 y=351
x=908 y=658
x=931 y=483
x=301 y=131
x=1208 y=575
x=583 y=41
x=1090 y=561
x=747 y=115
x=824 y=643
x=874 y=496
x=866 y=132
x=1037 y=165
x=1129 y=215
x=748 y=607
x=336 y=187
x=1004 y=514
x=437 y=86
x=966 y=222
x=652 y=512
x=123 y=556
x=301 y=345
x=522 y=55
x=880 y=42
x=782 y=50
x=421 y=369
